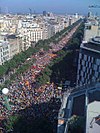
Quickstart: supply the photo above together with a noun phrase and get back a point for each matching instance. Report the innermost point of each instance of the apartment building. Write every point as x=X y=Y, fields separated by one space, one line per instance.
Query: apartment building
x=30 y=33
x=4 y=51
x=91 y=29
x=14 y=44
x=36 y=34
x=83 y=102
x=89 y=62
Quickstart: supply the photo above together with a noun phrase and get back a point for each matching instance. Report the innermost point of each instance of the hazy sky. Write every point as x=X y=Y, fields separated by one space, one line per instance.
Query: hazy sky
x=56 y=6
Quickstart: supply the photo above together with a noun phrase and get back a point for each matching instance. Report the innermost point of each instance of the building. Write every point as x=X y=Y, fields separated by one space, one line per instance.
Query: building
x=44 y=13
x=36 y=34
x=10 y=45
x=29 y=29
x=14 y=44
x=84 y=102
x=89 y=62
x=30 y=33
x=91 y=29
x=4 y=51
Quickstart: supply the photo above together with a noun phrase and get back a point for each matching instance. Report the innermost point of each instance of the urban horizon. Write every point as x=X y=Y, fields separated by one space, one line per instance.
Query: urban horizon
x=62 y=7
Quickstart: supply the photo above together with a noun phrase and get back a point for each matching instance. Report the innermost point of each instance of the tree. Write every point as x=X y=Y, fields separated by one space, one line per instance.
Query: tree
x=2 y=70
x=9 y=122
x=76 y=124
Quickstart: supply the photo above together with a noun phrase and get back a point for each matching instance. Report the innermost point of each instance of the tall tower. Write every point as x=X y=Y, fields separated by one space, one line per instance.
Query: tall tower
x=89 y=14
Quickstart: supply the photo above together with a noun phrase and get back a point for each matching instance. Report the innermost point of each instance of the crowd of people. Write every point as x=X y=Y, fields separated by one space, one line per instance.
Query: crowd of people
x=25 y=92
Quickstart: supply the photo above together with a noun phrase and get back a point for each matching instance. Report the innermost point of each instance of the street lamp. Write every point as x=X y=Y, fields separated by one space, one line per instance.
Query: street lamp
x=5 y=92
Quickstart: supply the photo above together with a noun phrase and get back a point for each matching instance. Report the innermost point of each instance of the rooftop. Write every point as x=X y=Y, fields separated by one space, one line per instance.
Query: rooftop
x=93 y=44
x=11 y=36
x=92 y=21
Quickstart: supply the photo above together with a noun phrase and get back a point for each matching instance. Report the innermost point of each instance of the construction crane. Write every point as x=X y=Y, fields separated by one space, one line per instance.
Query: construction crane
x=30 y=10
x=94 y=6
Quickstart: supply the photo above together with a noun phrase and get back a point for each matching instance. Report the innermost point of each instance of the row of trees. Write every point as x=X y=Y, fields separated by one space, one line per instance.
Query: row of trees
x=17 y=65
x=56 y=71
x=76 y=124
x=14 y=63
x=21 y=57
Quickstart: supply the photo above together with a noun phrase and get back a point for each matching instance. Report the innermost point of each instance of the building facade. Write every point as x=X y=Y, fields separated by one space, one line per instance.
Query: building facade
x=14 y=44
x=92 y=27
x=4 y=52
x=91 y=30
x=89 y=62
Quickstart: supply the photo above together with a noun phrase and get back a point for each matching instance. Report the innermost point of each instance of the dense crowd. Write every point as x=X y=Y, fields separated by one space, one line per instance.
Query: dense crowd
x=24 y=92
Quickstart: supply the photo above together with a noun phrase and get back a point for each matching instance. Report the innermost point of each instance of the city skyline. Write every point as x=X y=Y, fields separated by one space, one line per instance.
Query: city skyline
x=54 y=6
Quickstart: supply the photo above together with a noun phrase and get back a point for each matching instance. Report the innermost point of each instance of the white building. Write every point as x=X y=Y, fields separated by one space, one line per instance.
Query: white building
x=4 y=51
x=36 y=34
x=91 y=29
x=30 y=32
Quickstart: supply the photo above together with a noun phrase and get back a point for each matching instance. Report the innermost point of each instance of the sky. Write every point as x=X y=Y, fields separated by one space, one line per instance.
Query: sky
x=55 y=6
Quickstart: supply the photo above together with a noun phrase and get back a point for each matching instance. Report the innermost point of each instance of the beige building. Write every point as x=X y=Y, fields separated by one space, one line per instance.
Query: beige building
x=91 y=30
x=30 y=32
x=15 y=45
x=36 y=34
x=9 y=47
